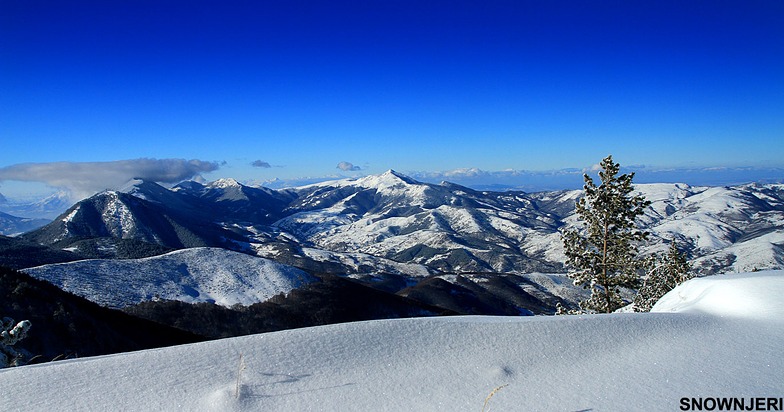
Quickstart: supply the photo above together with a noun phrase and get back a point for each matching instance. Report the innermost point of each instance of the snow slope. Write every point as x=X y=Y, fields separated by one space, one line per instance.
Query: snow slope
x=189 y=275
x=719 y=337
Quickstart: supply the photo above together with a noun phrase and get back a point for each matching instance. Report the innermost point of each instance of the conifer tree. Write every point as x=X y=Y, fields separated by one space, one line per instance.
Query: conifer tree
x=10 y=334
x=664 y=274
x=603 y=253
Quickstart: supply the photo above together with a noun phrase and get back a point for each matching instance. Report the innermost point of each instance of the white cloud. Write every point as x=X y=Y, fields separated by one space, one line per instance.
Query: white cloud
x=348 y=167
x=86 y=178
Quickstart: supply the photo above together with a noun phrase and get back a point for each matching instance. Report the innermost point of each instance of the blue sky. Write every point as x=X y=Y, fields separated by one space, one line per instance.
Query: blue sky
x=416 y=86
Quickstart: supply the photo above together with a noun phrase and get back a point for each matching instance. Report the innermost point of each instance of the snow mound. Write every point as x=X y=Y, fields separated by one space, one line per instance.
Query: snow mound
x=189 y=275
x=732 y=295
x=616 y=362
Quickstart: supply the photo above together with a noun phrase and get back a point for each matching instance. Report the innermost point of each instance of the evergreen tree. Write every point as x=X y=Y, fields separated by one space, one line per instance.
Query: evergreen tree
x=10 y=334
x=603 y=253
x=664 y=274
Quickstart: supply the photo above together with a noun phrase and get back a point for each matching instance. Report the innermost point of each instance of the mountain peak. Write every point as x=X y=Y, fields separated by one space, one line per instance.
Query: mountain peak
x=144 y=189
x=225 y=183
x=386 y=180
x=393 y=175
x=189 y=185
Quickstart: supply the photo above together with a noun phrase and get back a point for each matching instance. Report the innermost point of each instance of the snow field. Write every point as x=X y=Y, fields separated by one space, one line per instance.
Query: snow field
x=189 y=275
x=721 y=336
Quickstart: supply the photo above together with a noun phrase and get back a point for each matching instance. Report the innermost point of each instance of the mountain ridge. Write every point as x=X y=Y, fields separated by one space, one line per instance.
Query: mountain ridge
x=445 y=227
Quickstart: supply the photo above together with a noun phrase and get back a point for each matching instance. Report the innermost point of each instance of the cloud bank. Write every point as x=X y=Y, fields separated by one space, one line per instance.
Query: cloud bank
x=86 y=178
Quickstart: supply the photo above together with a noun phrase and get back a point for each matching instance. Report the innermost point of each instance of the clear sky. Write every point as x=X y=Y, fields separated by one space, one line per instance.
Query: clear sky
x=297 y=87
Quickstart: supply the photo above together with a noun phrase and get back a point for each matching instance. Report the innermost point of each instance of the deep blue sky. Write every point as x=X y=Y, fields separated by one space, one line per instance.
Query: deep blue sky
x=409 y=85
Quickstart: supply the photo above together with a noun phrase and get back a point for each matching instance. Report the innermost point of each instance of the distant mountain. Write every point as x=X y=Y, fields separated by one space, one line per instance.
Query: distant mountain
x=447 y=227
x=391 y=220
x=150 y=214
x=12 y=225
x=193 y=275
x=237 y=203
x=724 y=229
x=47 y=208
x=455 y=229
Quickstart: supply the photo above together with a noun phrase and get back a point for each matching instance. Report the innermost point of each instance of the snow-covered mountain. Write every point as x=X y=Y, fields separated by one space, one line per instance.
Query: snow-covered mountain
x=726 y=229
x=148 y=214
x=456 y=229
x=191 y=275
x=47 y=208
x=447 y=227
x=391 y=219
x=715 y=338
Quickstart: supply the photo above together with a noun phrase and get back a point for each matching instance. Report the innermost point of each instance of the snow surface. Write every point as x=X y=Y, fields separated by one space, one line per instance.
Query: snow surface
x=718 y=337
x=189 y=275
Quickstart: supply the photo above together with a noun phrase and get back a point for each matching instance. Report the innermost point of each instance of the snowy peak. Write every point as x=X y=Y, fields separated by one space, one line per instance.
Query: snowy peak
x=394 y=176
x=385 y=181
x=225 y=183
x=148 y=190
x=226 y=190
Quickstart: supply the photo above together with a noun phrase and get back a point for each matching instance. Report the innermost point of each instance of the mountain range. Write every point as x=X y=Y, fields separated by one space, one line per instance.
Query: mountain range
x=442 y=244
x=44 y=209
x=12 y=225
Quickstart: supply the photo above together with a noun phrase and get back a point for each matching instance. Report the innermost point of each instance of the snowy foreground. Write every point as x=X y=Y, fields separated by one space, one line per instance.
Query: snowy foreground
x=721 y=336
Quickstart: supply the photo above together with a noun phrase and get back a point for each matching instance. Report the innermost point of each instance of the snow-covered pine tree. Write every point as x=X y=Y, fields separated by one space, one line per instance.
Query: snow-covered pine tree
x=603 y=253
x=664 y=274
x=10 y=334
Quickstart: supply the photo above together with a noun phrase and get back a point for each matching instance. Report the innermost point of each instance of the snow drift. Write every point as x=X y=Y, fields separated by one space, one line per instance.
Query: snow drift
x=713 y=337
